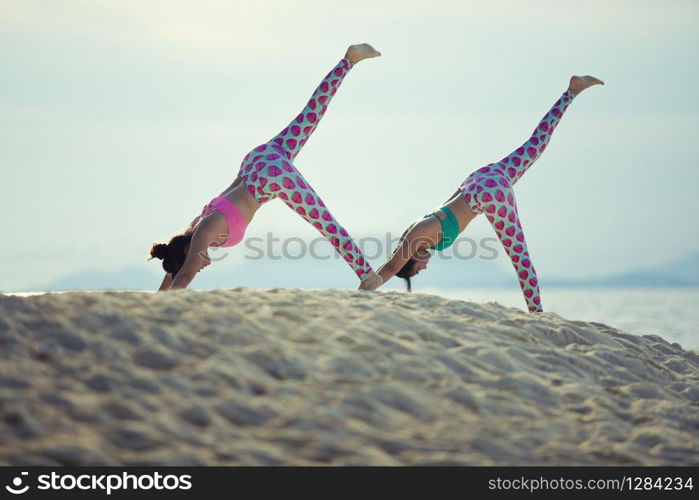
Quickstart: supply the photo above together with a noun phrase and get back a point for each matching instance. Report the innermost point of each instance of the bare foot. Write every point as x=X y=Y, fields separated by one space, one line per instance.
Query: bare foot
x=580 y=83
x=371 y=281
x=356 y=53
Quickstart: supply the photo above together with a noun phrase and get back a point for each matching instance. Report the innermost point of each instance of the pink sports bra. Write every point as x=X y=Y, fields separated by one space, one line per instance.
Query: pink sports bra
x=236 y=221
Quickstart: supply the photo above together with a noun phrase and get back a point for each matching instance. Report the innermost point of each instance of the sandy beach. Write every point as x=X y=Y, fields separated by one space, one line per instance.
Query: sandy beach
x=293 y=377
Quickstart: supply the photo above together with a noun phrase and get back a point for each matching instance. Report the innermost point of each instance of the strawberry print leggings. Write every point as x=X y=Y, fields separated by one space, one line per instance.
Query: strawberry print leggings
x=489 y=190
x=268 y=172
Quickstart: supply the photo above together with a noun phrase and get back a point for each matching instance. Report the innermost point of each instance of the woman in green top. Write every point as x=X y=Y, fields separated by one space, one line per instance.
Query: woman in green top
x=487 y=190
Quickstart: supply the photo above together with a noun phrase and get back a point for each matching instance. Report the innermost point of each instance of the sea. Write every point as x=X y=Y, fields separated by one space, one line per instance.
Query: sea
x=672 y=313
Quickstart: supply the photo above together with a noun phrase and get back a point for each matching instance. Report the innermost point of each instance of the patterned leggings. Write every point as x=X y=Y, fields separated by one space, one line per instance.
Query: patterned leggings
x=268 y=172
x=489 y=190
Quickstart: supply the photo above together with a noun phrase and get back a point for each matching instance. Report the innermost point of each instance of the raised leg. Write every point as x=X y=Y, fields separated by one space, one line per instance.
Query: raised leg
x=516 y=163
x=294 y=136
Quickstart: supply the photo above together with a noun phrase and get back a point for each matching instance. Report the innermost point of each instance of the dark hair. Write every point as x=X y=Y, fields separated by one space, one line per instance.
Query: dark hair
x=406 y=273
x=172 y=254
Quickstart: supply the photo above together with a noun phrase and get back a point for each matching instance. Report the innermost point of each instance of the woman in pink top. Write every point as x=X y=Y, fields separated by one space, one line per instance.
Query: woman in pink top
x=267 y=172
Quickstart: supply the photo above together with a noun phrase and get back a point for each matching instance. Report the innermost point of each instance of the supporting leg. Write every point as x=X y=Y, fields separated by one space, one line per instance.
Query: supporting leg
x=502 y=215
x=302 y=199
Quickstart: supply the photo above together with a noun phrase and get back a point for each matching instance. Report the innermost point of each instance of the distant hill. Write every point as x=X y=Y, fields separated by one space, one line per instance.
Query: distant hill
x=334 y=273
x=683 y=272
x=286 y=273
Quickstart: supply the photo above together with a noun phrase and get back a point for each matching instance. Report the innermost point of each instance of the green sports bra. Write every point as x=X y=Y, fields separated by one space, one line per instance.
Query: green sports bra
x=450 y=229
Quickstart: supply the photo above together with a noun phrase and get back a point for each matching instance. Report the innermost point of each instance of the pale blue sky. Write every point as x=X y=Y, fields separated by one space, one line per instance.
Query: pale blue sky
x=120 y=120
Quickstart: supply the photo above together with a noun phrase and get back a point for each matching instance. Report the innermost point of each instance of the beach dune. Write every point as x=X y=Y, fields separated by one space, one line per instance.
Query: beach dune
x=294 y=377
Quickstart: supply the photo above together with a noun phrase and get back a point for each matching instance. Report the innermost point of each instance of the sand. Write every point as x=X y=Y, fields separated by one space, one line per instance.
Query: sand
x=255 y=377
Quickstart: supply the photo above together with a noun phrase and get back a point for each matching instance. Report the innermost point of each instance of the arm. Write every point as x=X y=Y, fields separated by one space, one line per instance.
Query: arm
x=399 y=258
x=421 y=234
x=401 y=255
x=167 y=283
x=197 y=259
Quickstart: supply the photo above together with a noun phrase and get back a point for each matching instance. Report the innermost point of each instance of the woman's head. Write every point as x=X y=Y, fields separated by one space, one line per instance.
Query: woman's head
x=172 y=254
x=417 y=262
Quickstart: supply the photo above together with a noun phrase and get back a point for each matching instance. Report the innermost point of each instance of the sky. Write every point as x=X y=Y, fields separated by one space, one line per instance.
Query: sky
x=120 y=120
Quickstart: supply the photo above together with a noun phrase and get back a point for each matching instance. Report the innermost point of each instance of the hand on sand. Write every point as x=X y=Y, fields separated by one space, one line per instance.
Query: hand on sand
x=356 y=53
x=371 y=281
x=580 y=83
